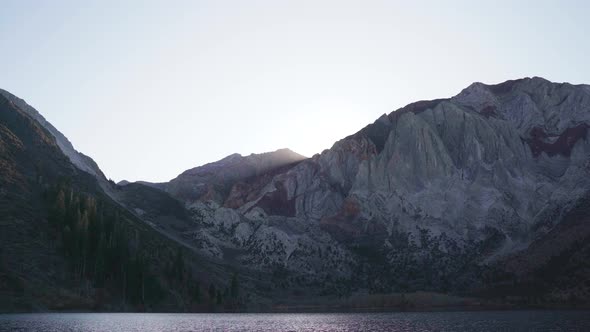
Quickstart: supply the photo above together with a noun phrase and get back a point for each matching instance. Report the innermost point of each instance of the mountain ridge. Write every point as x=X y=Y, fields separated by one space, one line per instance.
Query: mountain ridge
x=449 y=195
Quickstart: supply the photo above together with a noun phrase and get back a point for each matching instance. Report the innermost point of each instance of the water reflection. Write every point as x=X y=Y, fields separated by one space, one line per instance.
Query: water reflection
x=424 y=321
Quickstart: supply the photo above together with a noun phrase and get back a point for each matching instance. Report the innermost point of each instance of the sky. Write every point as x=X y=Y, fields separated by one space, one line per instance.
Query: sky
x=151 y=88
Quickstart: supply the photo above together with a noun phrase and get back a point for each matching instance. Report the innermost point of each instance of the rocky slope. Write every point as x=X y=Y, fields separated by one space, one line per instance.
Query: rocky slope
x=80 y=160
x=231 y=181
x=65 y=244
x=432 y=196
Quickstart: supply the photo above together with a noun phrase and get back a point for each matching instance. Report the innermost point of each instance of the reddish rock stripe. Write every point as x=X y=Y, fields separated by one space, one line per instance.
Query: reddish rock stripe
x=562 y=146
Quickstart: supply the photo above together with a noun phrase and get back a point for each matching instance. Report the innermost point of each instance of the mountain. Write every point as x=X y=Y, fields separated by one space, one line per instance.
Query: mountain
x=226 y=180
x=80 y=160
x=438 y=195
x=484 y=194
x=68 y=244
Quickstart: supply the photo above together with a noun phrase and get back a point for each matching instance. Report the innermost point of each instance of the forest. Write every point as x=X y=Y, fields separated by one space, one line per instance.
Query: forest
x=112 y=260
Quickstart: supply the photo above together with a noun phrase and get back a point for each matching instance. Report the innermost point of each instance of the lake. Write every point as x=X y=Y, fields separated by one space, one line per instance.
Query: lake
x=541 y=320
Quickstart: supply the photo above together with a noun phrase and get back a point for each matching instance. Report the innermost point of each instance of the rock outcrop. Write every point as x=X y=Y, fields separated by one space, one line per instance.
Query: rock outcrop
x=486 y=172
x=231 y=180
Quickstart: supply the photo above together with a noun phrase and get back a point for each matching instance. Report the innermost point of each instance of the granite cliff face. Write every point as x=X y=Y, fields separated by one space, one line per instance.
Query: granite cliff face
x=449 y=186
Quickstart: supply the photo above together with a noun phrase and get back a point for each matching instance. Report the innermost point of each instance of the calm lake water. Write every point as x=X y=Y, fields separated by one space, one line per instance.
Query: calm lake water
x=419 y=321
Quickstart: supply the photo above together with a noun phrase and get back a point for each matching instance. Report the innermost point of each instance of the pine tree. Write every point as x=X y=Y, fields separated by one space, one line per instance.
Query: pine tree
x=235 y=287
x=196 y=293
x=219 y=298
x=100 y=262
x=212 y=293
x=179 y=265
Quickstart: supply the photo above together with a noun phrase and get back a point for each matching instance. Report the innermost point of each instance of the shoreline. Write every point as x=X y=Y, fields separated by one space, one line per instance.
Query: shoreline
x=328 y=311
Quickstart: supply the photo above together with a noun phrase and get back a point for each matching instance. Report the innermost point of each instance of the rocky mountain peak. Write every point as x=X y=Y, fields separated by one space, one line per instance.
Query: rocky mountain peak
x=478 y=97
x=215 y=180
x=80 y=160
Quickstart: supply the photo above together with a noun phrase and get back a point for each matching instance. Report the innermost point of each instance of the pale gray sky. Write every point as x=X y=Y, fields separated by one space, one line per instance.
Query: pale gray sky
x=151 y=88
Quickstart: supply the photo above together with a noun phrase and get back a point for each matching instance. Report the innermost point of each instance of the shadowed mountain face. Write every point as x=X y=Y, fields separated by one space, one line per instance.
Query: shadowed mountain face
x=227 y=180
x=81 y=161
x=66 y=244
x=31 y=162
x=483 y=192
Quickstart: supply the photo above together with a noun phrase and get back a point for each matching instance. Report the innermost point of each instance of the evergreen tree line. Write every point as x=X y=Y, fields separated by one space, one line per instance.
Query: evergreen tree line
x=99 y=247
x=213 y=298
